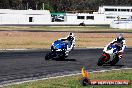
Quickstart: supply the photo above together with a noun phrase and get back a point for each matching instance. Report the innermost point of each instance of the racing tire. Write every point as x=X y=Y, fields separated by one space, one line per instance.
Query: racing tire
x=62 y=57
x=85 y=81
x=100 y=61
x=115 y=60
x=48 y=56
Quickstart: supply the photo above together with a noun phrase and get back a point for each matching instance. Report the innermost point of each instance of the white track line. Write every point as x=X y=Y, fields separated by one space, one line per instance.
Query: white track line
x=13 y=83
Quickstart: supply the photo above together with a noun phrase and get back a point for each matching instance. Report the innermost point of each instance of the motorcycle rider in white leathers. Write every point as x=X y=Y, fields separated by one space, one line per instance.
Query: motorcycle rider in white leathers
x=120 y=43
x=71 y=42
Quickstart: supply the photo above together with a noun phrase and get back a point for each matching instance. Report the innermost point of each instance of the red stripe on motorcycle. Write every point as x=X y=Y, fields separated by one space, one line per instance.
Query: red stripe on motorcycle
x=106 y=56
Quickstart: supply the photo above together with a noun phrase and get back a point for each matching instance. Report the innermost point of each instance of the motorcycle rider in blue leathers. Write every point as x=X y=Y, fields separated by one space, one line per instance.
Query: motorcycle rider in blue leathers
x=120 y=44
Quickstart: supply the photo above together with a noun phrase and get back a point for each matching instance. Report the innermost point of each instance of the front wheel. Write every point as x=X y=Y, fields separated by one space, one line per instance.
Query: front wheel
x=101 y=61
x=48 y=56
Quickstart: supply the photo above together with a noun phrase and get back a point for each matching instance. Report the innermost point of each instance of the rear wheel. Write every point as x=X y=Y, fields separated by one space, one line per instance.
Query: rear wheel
x=48 y=56
x=115 y=60
x=62 y=55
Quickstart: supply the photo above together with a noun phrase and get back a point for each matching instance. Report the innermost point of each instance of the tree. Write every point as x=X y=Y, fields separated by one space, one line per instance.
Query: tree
x=61 y=5
x=4 y=4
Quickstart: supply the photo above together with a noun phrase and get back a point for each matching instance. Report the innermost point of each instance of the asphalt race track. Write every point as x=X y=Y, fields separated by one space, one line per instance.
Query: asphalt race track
x=30 y=64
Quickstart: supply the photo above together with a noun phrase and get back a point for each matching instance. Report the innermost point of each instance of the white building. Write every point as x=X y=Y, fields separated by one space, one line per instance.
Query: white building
x=8 y=16
x=104 y=16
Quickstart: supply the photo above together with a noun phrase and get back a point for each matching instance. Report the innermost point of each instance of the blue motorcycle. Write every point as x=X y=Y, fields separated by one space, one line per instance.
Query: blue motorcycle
x=58 y=50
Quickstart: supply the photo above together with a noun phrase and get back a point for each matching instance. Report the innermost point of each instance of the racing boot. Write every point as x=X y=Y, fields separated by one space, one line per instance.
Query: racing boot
x=120 y=55
x=67 y=53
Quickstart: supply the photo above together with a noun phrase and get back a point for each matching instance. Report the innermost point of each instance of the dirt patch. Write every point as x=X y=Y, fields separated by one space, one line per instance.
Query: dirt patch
x=15 y=39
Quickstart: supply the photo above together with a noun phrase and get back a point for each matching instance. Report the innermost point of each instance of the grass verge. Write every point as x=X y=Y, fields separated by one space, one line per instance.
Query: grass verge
x=64 y=28
x=73 y=81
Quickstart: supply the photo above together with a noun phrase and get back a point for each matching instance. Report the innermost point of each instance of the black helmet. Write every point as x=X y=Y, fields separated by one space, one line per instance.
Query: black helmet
x=70 y=36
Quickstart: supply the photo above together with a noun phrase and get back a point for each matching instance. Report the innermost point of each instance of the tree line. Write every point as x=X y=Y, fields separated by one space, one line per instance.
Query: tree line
x=61 y=5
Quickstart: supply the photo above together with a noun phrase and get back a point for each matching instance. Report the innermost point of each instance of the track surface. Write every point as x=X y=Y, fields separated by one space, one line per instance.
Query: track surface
x=25 y=65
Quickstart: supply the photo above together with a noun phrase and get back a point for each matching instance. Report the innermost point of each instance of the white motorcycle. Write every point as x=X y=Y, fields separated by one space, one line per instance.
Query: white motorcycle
x=109 y=56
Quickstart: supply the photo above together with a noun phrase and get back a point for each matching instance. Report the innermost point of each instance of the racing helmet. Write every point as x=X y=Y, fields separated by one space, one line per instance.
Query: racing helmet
x=70 y=37
x=120 y=37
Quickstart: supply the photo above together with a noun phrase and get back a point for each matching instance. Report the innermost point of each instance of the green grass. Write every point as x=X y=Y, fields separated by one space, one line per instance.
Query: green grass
x=73 y=81
x=64 y=28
